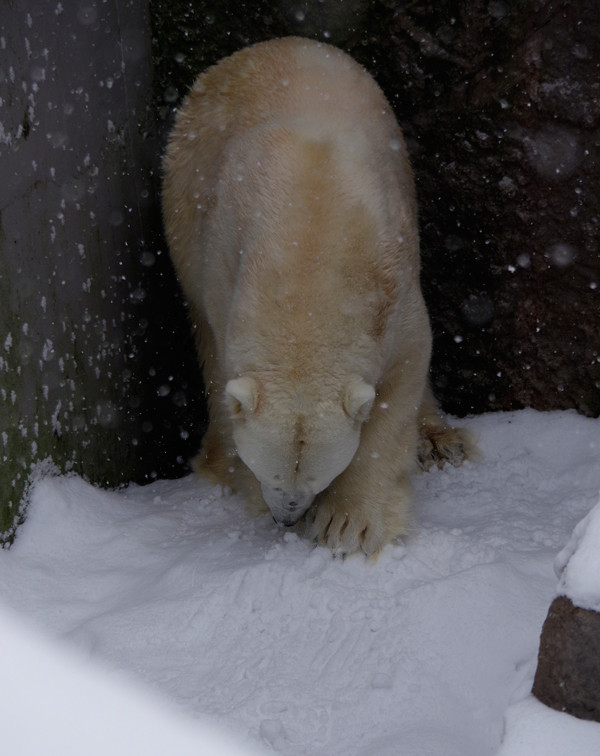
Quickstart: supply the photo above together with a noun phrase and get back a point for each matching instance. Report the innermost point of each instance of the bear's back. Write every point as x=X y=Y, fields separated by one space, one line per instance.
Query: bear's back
x=291 y=76
x=311 y=89
x=287 y=180
x=307 y=85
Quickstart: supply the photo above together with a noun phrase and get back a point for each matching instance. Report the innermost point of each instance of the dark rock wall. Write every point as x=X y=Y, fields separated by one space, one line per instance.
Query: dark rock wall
x=502 y=101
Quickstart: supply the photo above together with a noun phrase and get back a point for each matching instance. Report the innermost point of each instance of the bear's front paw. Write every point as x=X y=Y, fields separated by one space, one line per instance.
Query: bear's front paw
x=346 y=530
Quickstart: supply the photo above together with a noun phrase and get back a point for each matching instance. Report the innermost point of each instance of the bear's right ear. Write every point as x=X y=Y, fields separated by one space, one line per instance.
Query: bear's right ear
x=242 y=394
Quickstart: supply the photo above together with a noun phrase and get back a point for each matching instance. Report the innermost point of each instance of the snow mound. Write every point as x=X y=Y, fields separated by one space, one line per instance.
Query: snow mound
x=578 y=564
x=235 y=619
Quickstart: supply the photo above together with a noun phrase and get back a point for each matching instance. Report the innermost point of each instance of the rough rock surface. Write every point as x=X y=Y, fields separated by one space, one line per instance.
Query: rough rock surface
x=568 y=672
x=510 y=217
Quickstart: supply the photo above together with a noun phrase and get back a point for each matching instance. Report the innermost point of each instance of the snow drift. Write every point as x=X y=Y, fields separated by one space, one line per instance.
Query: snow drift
x=235 y=619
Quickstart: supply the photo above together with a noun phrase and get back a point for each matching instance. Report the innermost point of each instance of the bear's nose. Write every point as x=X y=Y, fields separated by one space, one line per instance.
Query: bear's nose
x=290 y=516
x=288 y=519
x=286 y=511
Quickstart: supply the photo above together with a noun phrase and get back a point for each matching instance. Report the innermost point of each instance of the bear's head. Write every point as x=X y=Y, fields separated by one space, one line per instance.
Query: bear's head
x=296 y=444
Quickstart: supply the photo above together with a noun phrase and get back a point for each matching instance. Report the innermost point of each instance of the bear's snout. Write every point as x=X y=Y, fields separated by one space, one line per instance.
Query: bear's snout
x=290 y=515
x=286 y=508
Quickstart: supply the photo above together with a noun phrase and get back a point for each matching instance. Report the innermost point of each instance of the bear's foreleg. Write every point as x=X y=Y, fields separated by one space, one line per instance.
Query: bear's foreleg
x=217 y=460
x=219 y=463
x=368 y=504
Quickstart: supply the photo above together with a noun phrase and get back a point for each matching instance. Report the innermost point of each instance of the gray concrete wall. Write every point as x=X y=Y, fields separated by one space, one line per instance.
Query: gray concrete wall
x=77 y=207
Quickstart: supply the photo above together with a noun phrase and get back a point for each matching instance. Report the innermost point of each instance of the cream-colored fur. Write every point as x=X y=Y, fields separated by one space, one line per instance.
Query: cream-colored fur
x=290 y=213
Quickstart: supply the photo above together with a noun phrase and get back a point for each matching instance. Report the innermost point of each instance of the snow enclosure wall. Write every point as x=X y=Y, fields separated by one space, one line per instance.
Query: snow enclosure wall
x=82 y=340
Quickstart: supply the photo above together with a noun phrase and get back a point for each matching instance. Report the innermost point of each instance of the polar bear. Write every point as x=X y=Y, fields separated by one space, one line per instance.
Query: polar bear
x=290 y=214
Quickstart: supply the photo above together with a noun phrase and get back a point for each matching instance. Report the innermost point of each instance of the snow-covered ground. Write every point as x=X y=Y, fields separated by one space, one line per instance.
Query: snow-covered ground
x=429 y=652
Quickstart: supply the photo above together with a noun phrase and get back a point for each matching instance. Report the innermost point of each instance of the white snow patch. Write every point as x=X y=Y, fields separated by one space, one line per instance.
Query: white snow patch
x=578 y=564
x=236 y=619
x=55 y=423
x=57 y=702
x=533 y=729
x=48 y=350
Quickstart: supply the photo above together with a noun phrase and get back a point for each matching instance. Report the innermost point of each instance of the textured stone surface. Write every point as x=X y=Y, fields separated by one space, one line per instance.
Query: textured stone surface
x=568 y=671
x=502 y=102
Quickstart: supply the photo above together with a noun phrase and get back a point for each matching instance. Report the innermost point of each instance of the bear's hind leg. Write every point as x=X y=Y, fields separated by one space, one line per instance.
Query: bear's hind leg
x=439 y=442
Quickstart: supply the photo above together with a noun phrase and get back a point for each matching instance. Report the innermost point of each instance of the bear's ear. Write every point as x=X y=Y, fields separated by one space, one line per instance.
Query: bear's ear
x=242 y=394
x=358 y=400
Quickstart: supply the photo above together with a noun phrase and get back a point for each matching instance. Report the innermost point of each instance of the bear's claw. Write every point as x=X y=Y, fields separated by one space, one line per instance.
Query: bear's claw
x=343 y=533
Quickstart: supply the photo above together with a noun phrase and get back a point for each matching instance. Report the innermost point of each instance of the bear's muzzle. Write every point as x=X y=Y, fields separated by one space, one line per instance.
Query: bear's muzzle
x=287 y=508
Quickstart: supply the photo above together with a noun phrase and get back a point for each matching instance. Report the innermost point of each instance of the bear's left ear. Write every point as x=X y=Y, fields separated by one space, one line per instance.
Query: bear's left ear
x=358 y=400
x=243 y=395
